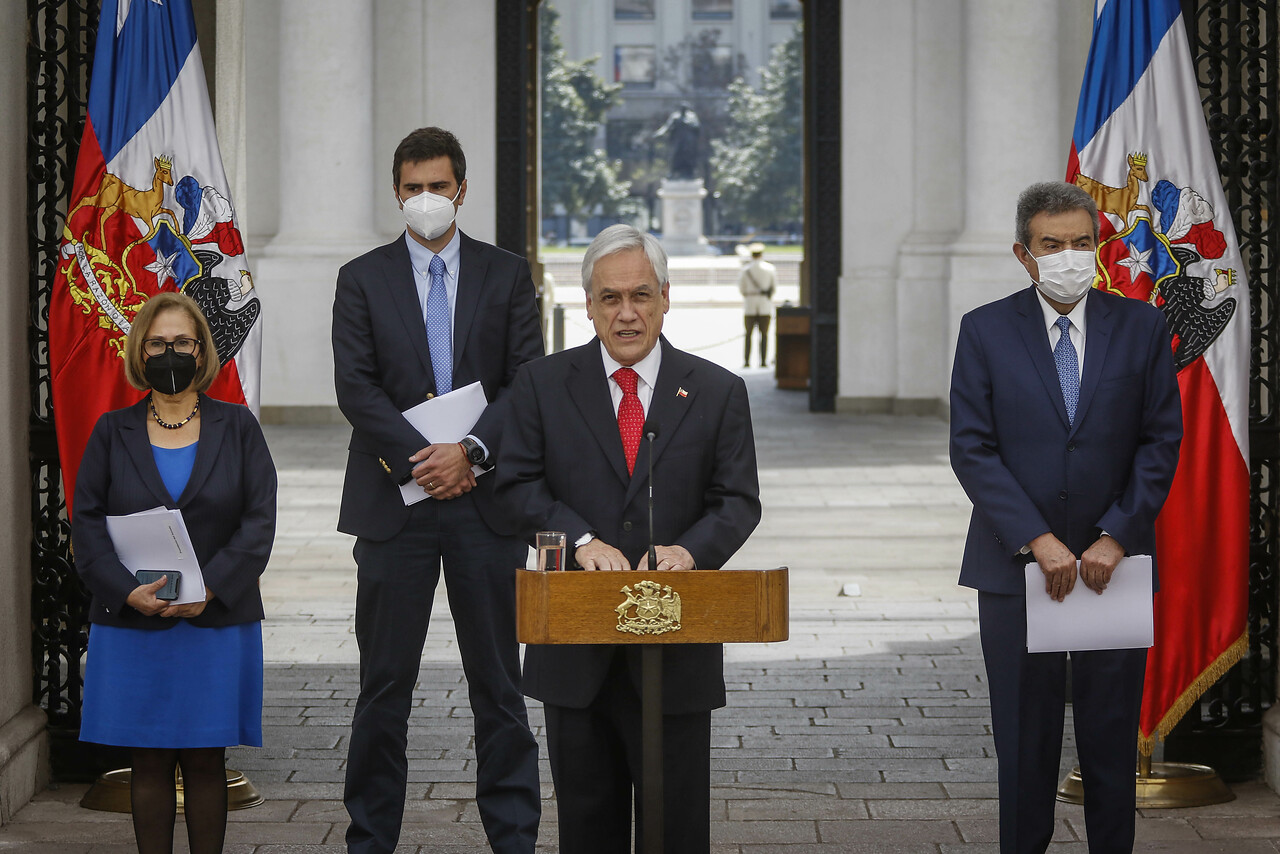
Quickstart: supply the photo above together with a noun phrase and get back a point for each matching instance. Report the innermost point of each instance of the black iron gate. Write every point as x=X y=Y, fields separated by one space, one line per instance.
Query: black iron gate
x=1236 y=46
x=60 y=41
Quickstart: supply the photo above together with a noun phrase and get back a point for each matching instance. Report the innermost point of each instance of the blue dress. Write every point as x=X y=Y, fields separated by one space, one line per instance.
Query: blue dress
x=181 y=687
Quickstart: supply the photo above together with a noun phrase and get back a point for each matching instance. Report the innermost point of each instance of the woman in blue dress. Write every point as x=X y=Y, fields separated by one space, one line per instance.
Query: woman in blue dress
x=176 y=683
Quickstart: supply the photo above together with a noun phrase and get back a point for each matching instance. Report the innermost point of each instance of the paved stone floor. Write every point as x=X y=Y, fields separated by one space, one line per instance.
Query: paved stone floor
x=867 y=731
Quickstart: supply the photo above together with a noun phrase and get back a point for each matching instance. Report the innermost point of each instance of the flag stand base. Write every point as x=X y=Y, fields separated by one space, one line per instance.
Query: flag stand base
x=110 y=792
x=1162 y=785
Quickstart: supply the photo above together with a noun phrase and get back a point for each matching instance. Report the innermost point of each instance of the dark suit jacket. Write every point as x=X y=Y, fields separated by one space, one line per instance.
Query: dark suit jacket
x=562 y=468
x=382 y=367
x=1025 y=468
x=228 y=505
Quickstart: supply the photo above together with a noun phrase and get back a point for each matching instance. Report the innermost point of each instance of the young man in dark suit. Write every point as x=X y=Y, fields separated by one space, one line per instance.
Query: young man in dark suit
x=573 y=460
x=1065 y=427
x=430 y=312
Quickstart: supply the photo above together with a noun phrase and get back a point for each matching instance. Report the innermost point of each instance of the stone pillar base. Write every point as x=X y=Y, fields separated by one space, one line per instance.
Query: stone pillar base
x=1271 y=747
x=682 y=216
x=24 y=760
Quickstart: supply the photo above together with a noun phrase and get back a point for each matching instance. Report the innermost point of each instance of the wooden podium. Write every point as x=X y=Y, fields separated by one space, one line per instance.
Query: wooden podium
x=652 y=609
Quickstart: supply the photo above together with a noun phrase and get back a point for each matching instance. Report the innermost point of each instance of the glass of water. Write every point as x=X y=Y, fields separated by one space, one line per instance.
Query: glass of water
x=551 y=551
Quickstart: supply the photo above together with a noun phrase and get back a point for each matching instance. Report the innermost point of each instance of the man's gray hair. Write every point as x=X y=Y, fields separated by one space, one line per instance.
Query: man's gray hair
x=620 y=238
x=1052 y=197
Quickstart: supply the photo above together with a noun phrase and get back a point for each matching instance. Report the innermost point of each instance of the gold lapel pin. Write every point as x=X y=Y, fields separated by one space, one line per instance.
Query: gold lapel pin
x=681 y=393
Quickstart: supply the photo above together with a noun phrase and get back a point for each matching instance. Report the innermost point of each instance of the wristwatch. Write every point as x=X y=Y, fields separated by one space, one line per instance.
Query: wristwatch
x=474 y=450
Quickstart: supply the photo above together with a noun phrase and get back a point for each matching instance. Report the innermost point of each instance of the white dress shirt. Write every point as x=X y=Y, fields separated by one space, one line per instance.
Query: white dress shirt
x=647 y=368
x=1077 y=328
x=420 y=257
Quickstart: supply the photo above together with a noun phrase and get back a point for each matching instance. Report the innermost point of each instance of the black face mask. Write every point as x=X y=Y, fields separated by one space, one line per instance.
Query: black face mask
x=170 y=372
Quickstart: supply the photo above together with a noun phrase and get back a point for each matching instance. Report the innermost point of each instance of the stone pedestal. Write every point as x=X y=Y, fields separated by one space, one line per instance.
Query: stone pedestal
x=1271 y=747
x=682 y=216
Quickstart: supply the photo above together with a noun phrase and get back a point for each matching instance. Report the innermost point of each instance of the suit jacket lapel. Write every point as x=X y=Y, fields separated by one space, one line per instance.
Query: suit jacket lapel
x=212 y=430
x=133 y=434
x=1098 y=324
x=1036 y=339
x=473 y=265
x=589 y=391
x=399 y=277
x=667 y=409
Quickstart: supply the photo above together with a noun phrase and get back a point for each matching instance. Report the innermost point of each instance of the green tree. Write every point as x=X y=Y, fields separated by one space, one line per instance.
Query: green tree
x=757 y=165
x=578 y=179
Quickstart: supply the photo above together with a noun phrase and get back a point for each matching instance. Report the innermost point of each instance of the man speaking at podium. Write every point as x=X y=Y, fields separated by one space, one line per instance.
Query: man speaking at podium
x=575 y=459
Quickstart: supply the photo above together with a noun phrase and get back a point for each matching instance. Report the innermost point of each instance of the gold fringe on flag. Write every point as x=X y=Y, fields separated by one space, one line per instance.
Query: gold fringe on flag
x=1188 y=698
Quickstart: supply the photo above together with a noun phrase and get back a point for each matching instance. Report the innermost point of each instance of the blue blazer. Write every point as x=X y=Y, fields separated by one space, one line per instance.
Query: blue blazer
x=382 y=367
x=229 y=506
x=563 y=469
x=1026 y=469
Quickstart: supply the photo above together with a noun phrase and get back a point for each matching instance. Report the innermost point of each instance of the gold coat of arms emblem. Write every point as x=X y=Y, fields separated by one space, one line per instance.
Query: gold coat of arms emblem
x=649 y=608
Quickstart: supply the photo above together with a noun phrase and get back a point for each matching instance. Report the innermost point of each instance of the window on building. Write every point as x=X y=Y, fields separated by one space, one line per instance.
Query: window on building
x=633 y=10
x=784 y=10
x=635 y=65
x=712 y=66
x=712 y=10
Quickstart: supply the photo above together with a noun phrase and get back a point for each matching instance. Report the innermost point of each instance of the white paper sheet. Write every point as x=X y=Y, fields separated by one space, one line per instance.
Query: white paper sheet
x=447 y=418
x=1118 y=619
x=158 y=539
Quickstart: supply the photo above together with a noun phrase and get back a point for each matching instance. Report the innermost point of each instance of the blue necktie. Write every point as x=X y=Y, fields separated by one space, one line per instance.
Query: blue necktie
x=1064 y=355
x=439 y=329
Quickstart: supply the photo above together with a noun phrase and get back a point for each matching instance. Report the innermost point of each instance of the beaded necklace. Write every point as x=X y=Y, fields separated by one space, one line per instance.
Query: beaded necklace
x=165 y=424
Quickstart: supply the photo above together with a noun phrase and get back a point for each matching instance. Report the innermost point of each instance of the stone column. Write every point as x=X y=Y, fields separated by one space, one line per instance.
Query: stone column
x=326 y=180
x=938 y=214
x=876 y=172
x=326 y=123
x=24 y=761
x=229 y=99
x=1013 y=136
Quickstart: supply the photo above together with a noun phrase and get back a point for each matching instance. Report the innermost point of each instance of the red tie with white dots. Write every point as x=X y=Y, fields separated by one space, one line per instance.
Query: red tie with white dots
x=630 y=415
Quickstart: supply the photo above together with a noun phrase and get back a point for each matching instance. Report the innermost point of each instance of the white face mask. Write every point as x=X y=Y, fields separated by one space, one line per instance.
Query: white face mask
x=1065 y=276
x=429 y=215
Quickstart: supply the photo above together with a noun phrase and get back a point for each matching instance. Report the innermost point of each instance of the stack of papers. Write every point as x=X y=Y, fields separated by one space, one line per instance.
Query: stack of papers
x=446 y=418
x=158 y=539
x=1120 y=618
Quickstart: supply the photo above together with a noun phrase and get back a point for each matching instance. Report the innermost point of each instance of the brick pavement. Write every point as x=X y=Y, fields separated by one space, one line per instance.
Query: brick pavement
x=868 y=731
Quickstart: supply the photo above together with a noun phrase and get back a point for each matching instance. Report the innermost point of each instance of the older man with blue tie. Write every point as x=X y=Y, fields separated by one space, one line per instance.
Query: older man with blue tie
x=1065 y=428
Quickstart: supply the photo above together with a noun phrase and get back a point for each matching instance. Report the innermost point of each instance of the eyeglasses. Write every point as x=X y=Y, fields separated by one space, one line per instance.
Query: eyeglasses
x=158 y=346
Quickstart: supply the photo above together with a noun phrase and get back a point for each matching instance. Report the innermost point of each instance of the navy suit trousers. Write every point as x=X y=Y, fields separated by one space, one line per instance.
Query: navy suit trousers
x=1028 y=697
x=397 y=582
x=596 y=764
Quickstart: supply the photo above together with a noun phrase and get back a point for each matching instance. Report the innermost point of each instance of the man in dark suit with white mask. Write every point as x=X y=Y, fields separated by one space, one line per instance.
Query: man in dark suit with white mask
x=1065 y=429
x=430 y=312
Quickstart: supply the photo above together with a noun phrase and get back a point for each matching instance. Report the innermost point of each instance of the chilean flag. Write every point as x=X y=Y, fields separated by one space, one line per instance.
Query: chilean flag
x=149 y=211
x=1141 y=149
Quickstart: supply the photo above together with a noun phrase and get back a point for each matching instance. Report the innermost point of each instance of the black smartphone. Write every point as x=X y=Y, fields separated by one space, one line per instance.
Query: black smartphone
x=151 y=576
